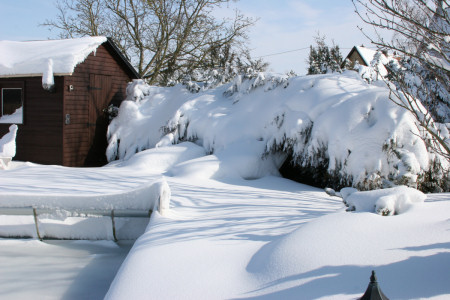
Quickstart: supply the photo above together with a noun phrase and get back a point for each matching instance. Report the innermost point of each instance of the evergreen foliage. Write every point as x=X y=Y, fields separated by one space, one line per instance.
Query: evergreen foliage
x=323 y=59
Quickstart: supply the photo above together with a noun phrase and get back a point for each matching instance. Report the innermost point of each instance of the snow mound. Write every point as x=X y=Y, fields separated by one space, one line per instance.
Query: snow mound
x=162 y=159
x=386 y=202
x=332 y=256
x=8 y=142
x=334 y=122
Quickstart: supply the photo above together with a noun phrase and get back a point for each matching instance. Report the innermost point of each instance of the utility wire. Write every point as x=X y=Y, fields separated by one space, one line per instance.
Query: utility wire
x=278 y=53
x=299 y=49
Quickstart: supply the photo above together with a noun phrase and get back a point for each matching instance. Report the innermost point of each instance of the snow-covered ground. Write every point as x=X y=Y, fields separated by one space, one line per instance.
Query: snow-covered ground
x=235 y=228
x=31 y=269
x=271 y=238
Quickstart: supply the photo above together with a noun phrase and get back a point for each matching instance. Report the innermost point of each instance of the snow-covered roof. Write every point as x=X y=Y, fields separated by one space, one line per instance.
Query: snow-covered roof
x=366 y=54
x=32 y=58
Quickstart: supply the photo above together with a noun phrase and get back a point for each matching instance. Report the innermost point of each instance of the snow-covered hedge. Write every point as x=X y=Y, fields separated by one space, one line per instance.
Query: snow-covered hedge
x=336 y=123
x=385 y=202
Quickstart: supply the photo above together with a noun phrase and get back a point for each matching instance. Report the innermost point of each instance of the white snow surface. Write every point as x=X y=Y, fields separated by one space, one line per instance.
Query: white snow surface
x=366 y=54
x=15 y=118
x=49 y=270
x=389 y=201
x=267 y=238
x=77 y=188
x=8 y=142
x=235 y=229
x=45 y=57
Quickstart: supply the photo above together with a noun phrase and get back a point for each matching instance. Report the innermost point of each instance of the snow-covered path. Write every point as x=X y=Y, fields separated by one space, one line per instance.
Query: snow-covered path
x=276 y=239
x=214 y=230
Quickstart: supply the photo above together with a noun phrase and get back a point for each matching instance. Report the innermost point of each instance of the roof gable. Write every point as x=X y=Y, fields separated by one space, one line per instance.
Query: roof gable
x=34 y=57
x=366 y=54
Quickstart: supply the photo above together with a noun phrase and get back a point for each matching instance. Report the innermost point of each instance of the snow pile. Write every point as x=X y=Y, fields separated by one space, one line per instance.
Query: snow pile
x=35 y=58
x=15 y=118
x=8 y=142
x=335 y=122
x=332 y=257
x=385 y=202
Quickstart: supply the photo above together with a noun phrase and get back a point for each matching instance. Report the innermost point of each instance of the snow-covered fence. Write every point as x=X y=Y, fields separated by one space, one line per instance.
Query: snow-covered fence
x=138 y=203
x=113 y=213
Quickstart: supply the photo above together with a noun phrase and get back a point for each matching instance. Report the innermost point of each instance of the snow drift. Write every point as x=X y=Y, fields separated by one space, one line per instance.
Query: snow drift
x=335 y=122
x=8 y=142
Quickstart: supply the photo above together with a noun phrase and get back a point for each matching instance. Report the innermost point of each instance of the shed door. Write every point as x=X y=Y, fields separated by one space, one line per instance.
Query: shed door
x=100 y=97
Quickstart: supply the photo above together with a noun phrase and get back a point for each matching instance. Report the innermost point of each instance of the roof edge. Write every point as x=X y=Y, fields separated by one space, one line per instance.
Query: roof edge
x=33 y=75
x=119 y=53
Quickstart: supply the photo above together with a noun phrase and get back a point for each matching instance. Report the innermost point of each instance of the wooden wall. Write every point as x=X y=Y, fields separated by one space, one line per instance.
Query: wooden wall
x=39 y=138
x=77 y=140
x=353 y=57
x=45 y=138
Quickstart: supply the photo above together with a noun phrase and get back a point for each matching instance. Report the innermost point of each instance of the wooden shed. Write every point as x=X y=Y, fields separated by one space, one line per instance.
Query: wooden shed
x=58 y=92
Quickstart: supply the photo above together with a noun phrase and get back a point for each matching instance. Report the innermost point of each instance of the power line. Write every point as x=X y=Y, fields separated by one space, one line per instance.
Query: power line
x=278 y=53
x=295 y=50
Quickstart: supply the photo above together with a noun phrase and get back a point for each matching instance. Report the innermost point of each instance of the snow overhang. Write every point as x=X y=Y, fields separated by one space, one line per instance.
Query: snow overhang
x=20 y=59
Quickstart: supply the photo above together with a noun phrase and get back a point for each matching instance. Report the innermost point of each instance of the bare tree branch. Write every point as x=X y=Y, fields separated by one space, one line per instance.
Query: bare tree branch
x=420 y=82
x=160 y=37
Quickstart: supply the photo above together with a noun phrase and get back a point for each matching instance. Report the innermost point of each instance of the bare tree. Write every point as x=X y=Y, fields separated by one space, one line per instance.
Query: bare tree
x=420 y=80
x=160 y=37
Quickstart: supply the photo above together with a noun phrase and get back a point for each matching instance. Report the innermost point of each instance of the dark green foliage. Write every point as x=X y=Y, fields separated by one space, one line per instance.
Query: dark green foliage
x=323 y=59
x=435 y=180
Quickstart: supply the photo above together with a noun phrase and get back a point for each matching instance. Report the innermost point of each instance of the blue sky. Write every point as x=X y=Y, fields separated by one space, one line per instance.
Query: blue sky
x=283 y=25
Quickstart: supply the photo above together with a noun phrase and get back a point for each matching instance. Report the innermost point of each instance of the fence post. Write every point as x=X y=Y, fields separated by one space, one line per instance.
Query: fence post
x=113 y=225
x=36 y=223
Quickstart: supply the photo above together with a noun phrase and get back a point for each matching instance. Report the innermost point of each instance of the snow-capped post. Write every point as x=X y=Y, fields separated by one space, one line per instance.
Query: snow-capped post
x=161 y=194
x=373 y=291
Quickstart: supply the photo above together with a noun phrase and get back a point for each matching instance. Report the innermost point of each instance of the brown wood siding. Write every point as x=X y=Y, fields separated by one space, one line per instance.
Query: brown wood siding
x=39 y=138
x=356 y=57
x=76 y=142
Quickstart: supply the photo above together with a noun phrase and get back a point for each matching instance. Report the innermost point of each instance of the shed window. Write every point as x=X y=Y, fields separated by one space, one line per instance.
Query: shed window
x=11 y=105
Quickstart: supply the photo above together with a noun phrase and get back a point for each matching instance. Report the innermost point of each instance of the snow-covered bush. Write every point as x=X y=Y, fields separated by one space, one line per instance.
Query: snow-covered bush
x=335 y=129
x=140 y=117
x=244 y=84
x=385 y=202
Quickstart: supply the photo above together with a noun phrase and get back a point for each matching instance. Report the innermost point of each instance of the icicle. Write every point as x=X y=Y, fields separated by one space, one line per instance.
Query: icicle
x=48 y=81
